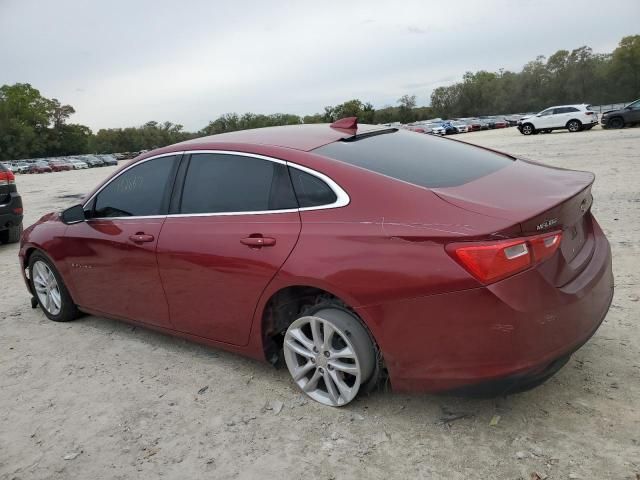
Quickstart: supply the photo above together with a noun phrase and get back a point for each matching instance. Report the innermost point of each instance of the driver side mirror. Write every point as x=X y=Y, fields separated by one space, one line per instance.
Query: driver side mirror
x=73 y=215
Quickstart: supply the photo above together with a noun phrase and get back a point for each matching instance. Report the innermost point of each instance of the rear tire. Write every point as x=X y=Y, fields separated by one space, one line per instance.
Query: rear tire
x=329 y=354
x=574 y=126
x=50 y=291
x=615 y=122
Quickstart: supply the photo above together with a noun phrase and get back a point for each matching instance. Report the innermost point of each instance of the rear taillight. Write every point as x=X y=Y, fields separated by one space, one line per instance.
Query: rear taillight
x=589 y=113
x=7 y=178
x=493 y=261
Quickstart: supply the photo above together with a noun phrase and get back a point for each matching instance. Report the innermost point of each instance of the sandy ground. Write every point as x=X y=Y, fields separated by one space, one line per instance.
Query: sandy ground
x=97 y=398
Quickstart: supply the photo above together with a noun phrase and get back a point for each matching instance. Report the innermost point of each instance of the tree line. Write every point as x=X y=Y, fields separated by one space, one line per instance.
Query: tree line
x=579 y=76
x=34 y=126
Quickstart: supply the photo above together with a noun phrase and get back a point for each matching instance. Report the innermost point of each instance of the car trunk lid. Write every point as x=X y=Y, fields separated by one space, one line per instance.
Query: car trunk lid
x=539 y=199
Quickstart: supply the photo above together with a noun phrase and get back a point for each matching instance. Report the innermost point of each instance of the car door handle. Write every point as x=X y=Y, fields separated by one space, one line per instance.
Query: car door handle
x=141 y=238
x=258 y=242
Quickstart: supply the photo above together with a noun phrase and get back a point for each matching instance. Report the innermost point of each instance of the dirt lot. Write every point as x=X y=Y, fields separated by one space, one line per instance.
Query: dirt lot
x=100 y=399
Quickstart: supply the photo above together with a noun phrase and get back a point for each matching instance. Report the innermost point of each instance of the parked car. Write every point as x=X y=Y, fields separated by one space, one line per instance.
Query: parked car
x=500 y=123
x=460 y=126
x=20 y=167
x=40 y=167
x=10 y=207
x=59 y=166
x=436 y=129
x=92 y=161
x=449 y=129
x=7 y=166
x=629 y=115
x=78 y=164
x=109 y=160
x=473 y=125
x=261 y=246
x=571 y=117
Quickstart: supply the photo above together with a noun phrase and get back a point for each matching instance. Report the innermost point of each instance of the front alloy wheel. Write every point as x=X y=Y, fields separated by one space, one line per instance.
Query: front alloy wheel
x=527 y=129
x=329 y=355
x=47 y=288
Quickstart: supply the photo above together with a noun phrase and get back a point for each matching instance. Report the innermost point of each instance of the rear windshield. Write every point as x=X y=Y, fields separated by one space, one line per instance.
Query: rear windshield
x=417 y=158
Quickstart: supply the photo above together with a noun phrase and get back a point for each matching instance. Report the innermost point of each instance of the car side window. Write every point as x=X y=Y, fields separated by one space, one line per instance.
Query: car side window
x=140 y=191
x=557 y=111
x=310 y=190
x=546 y=112
x=222 y=183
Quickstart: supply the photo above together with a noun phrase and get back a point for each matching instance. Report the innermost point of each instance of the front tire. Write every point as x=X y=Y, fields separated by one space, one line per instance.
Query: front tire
x=527 y=129
x=574 y=126
x=615 y=122
x=50 y=291
x=329 y=355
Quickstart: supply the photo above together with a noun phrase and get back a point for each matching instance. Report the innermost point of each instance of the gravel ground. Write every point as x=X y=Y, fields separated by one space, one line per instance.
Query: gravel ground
x=97 y=398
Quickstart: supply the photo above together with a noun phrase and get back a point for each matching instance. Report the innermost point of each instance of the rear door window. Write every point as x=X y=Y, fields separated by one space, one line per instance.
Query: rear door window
x=221 y=183
x=422 y=160
x=310 y=190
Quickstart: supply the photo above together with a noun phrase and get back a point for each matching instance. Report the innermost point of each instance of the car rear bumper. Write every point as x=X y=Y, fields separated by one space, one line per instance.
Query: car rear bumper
x=512 y=329
x=8 y=214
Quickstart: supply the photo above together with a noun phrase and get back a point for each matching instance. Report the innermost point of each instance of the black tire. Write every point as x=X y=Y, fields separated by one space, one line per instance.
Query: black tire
x=350 y=329
x=11 y=235
x=68 y=310
x=615 y=122
x=527 y=129
x=574 y=125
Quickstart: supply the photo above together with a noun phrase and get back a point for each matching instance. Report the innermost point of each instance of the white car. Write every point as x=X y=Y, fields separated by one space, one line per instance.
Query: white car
x=572 y=117
x=77 y=164
x=435 y=129
x=461 y=127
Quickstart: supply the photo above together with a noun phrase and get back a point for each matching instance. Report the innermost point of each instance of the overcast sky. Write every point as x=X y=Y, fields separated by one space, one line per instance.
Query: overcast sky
x=124 y=62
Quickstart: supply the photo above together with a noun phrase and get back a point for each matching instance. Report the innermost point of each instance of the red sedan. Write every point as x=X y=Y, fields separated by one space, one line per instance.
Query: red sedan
x=358 y=253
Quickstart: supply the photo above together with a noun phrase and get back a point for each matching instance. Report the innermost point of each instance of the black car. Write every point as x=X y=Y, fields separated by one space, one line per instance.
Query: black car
x=10 y=207
x=626 y=116
x=109 y=160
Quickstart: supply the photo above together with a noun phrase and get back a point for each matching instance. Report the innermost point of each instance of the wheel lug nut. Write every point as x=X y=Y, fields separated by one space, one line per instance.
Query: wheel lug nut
x=321 y=370
x=330 y=367
x=315 y=349
x=326 y=354
x=313 y=360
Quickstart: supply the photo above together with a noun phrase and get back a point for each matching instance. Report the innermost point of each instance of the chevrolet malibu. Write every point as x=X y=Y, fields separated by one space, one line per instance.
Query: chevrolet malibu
x=356 y=254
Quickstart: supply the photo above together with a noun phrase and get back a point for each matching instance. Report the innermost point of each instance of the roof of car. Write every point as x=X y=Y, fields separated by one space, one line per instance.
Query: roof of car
x=304 y=137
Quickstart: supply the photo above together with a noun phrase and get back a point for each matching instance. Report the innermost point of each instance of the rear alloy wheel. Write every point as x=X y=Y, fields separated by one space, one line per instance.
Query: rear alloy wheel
x=48 y=288
x=329 y=355
x=574 y=126
x=616 y=122
x=527 y=129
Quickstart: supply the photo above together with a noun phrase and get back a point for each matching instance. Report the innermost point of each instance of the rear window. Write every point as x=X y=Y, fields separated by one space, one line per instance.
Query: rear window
x=417 y=158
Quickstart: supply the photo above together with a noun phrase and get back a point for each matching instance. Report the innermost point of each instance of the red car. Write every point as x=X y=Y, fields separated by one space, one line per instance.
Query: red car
x=358 y=253
x=59 y=166
x=39 y=167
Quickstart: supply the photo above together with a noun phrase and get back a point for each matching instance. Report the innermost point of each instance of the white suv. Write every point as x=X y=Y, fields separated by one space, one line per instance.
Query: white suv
x=572 y=117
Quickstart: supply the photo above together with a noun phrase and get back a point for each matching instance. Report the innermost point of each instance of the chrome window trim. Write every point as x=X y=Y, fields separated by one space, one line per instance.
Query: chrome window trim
x=342 y=197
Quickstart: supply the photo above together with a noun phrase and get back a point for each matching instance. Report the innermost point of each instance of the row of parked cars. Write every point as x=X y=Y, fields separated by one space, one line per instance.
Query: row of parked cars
x=439 y=126
x=59 y=164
